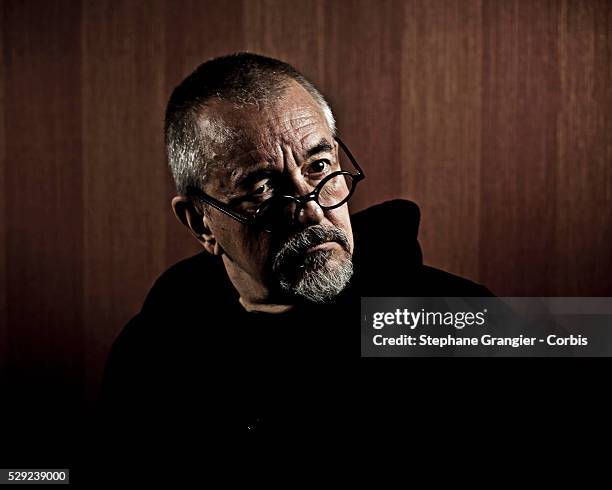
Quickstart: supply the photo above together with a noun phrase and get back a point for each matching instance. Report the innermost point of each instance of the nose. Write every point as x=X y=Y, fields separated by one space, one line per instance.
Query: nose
x=310 y=214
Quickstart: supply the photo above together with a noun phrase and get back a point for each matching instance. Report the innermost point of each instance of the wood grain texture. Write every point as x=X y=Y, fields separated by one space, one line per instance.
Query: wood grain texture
x=288 y=29
x=519 y=145
x=124 y=180
x=582 y=259
x=441 y=128
x=43 y=194
x=494 y=116
x=362 y=82
x=3 y=227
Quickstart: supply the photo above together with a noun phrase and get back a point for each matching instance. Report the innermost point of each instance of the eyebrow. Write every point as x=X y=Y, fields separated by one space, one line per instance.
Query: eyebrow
x=250 y=177
x=322 y=146
x=245 y=178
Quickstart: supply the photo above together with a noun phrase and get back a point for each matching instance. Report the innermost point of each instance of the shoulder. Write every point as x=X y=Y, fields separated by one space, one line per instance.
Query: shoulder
x=390 y=259
x=188 y=286
x=124 y=360
x=178 y=299
x=386 y=237
x=397 y=214
x=201 y=275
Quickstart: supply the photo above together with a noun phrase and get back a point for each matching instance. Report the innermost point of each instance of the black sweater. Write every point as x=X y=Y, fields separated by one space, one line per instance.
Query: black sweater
x=194 y=363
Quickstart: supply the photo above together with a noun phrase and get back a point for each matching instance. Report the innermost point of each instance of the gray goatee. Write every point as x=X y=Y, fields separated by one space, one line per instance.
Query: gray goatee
x=318 y=276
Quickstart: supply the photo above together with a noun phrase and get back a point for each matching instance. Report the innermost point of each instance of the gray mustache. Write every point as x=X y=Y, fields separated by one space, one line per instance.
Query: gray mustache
x=310 y=237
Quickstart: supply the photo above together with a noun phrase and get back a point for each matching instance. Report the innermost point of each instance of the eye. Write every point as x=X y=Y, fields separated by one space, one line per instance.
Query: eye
x=319 y=166
x=262 y=188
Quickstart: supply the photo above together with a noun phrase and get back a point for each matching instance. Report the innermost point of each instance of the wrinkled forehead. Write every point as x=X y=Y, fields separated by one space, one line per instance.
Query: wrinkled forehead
x=248 y=135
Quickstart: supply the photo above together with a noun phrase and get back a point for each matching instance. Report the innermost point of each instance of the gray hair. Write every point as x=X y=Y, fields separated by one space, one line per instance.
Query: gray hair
x=242 y=79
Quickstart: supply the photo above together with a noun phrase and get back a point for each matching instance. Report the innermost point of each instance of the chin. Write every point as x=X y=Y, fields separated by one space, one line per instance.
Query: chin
x=323 y=275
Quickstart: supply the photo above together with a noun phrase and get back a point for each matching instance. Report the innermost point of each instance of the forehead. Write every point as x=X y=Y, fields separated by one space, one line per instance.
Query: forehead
x=256 y=132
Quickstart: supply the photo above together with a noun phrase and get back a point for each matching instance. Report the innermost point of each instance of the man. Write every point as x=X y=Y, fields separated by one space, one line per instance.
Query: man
x=260 y=331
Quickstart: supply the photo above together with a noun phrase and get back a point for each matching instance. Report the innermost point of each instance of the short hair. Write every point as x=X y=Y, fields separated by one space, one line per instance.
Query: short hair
x=240 y=78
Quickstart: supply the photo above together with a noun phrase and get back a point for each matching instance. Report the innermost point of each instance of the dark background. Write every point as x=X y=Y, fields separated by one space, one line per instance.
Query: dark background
x=494 y=116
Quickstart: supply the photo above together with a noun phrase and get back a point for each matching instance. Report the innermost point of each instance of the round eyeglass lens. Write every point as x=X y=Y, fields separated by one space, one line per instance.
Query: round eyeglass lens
x=335 y=191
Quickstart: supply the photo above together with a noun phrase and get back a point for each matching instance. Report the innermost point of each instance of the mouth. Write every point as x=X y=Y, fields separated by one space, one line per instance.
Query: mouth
x=309 y=250
x=322 y=246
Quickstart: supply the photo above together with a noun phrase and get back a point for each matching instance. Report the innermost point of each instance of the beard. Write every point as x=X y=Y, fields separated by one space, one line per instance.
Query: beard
x=317 y=276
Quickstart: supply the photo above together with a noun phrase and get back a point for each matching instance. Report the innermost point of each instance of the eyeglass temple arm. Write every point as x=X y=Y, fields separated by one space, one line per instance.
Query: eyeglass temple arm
x=351 y=157
x=219 y=206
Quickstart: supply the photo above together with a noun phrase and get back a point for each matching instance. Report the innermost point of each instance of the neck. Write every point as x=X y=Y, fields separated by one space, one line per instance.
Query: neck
x=254 y=296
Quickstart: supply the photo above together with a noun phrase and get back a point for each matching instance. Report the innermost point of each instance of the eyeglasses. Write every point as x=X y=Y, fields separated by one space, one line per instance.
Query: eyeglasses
x=332 y=192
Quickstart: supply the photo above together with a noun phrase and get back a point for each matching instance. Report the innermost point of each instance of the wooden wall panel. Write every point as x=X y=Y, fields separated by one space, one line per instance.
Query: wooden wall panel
x=124 y=180
x=519 y=145
x=278 y=29
x=583 y=236
x=441 y=128
x=3 y=227
x=362 y=82
x=43 y=188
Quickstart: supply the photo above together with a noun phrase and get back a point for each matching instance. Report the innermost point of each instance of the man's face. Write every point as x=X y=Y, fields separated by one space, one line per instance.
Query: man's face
x=283 y=148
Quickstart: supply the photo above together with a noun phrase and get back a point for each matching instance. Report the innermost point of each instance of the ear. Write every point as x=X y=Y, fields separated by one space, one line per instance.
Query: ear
x=197 y=223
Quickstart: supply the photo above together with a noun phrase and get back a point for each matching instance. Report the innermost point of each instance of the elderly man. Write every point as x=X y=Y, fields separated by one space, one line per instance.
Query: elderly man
x=259 y=333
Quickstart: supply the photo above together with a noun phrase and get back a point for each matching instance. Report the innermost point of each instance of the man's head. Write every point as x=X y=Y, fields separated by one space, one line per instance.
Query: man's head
x=243 y=129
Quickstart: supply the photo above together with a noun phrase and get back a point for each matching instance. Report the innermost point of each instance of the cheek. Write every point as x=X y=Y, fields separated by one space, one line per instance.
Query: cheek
x=234 y=241
x=340 y=218
x=251 y=249
x=257 y=246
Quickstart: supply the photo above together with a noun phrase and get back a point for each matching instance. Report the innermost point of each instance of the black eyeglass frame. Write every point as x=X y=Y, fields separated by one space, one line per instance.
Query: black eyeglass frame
x=300 y=201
